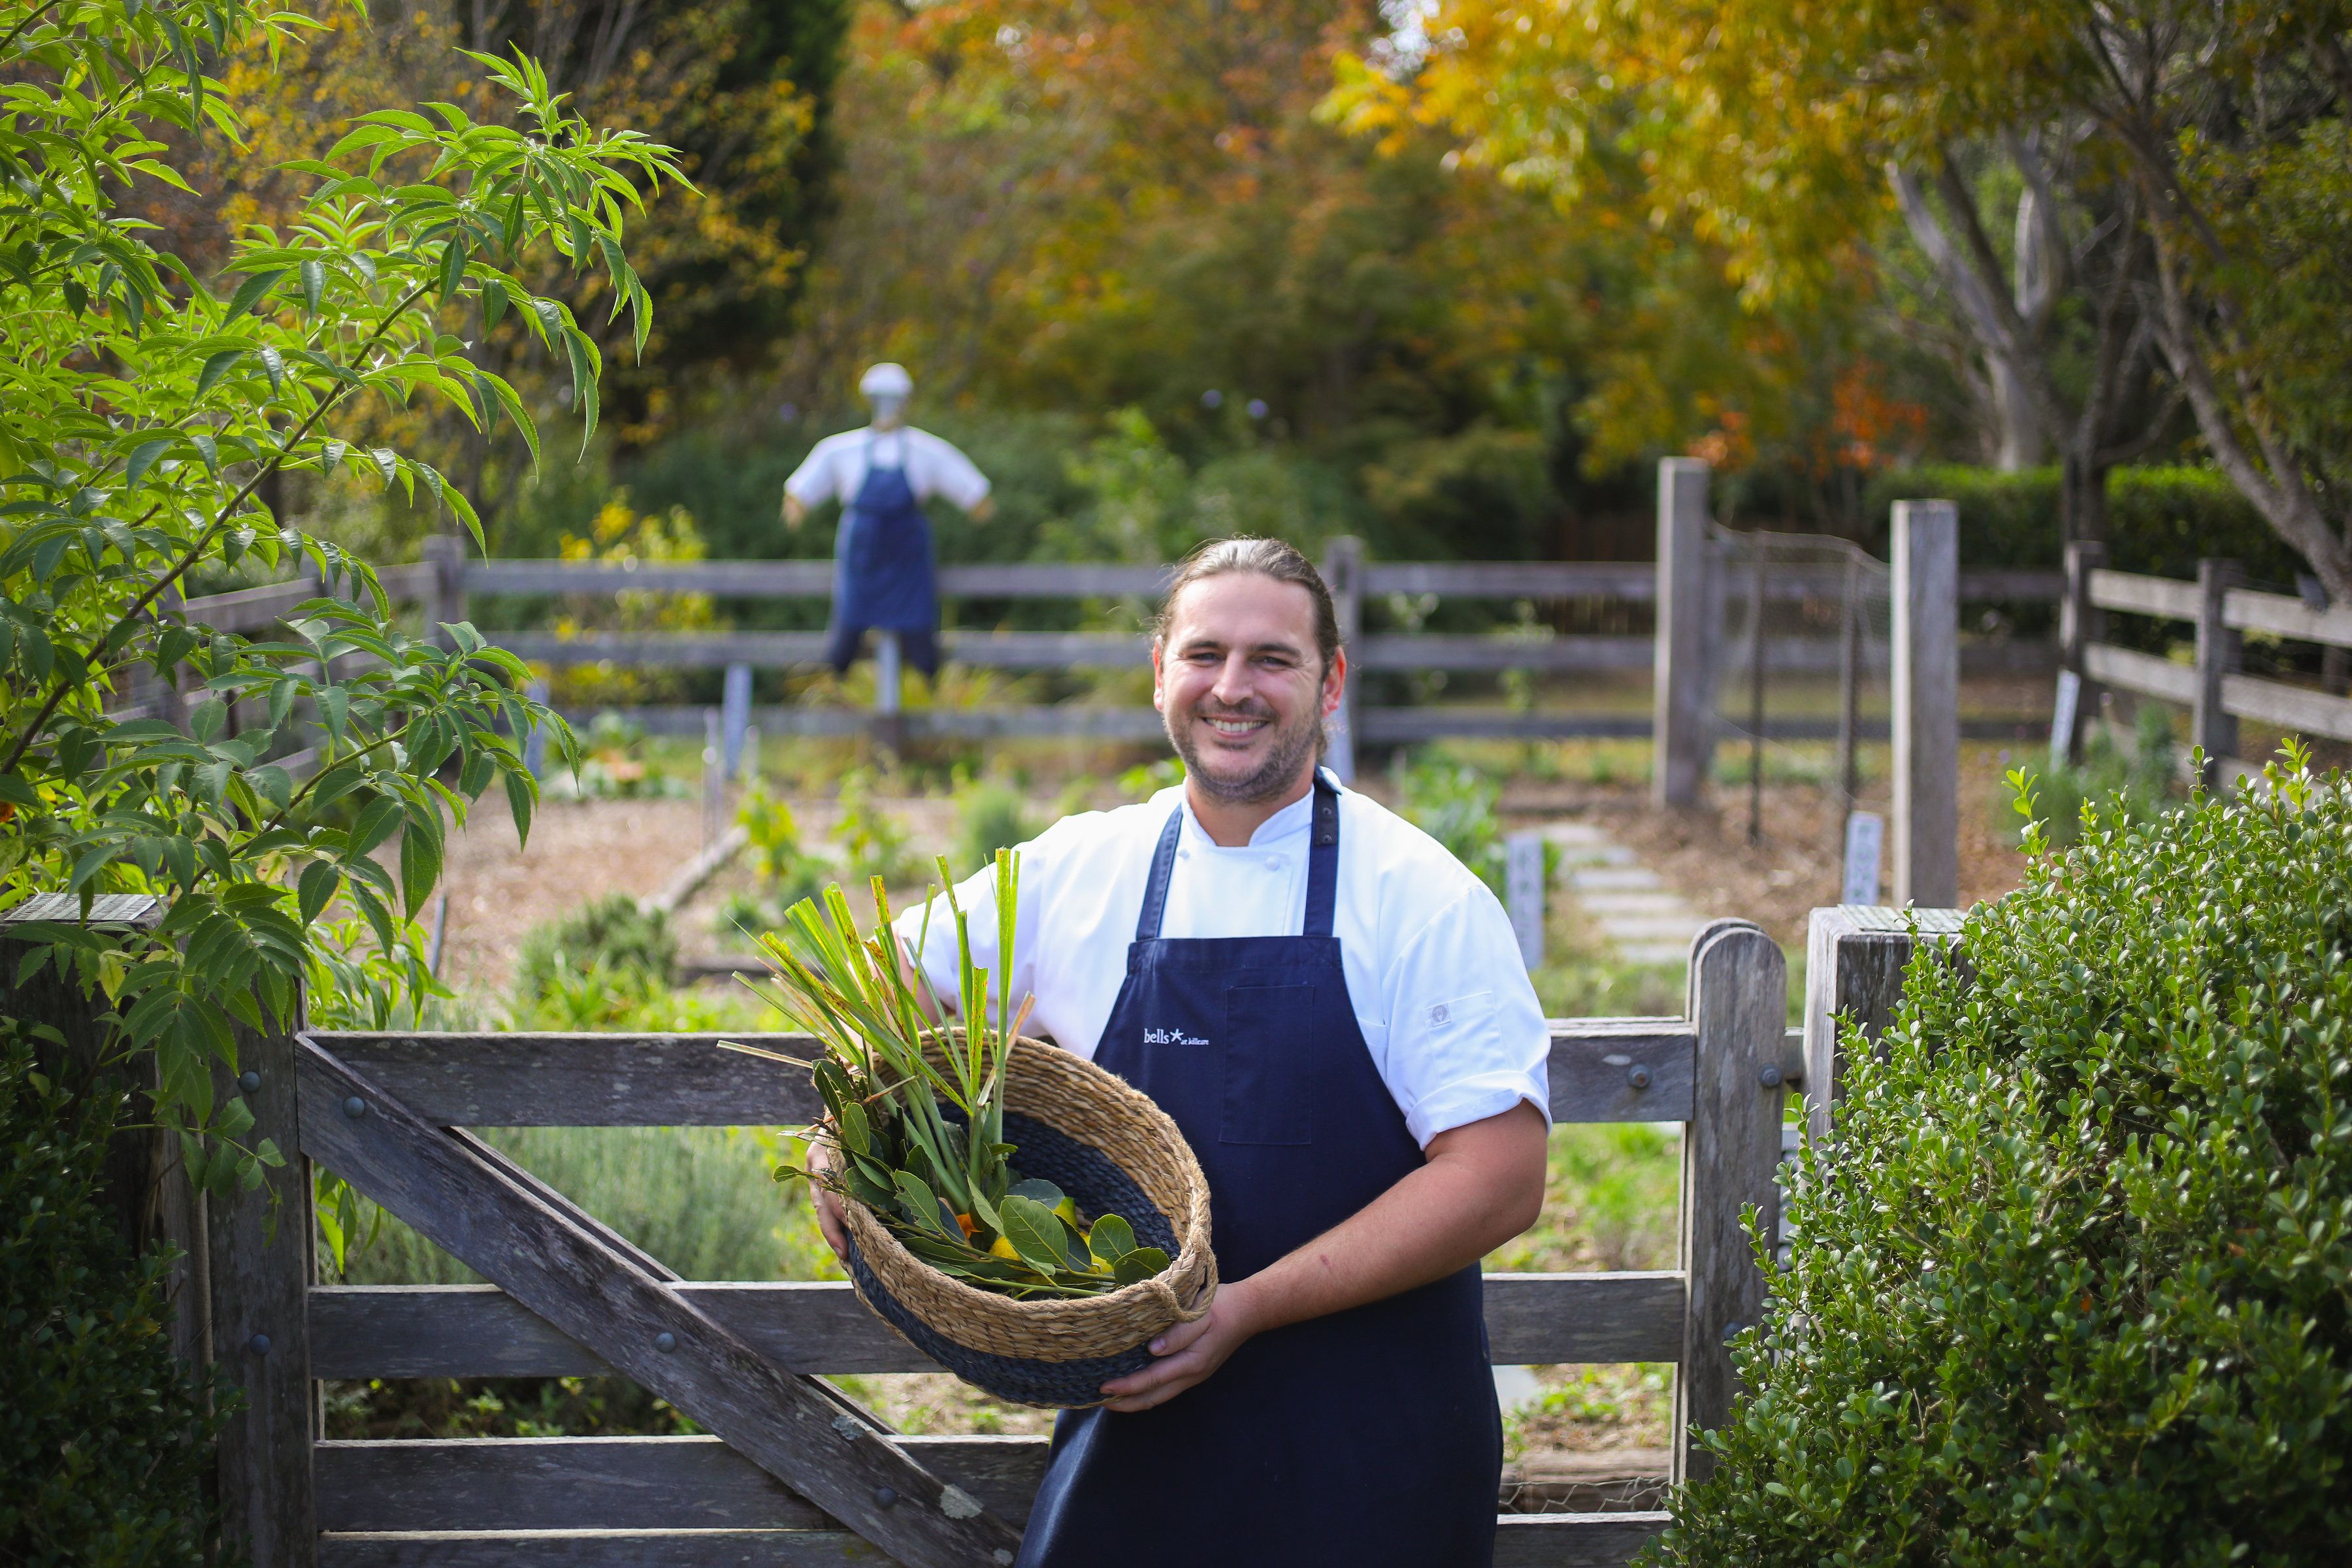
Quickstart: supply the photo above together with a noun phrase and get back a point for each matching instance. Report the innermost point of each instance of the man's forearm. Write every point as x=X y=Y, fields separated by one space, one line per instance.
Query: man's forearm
x=1482 y=1186
x=1470 y=1198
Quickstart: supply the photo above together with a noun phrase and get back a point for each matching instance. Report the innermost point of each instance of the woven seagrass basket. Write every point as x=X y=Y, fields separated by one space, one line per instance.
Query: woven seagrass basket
x=1110 y=1150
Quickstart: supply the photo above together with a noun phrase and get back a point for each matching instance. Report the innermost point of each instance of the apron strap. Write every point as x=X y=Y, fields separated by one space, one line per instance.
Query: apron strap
x=1155 y=892
x=1323 y=859
x=1322 y=866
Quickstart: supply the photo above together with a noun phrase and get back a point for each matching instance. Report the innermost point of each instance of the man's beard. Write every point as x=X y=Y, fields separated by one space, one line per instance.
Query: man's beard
x=1293 y=744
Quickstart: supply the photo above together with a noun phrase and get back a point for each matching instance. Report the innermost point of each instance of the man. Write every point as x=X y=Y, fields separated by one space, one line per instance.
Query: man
x=883 y=575
x=1334 y=1011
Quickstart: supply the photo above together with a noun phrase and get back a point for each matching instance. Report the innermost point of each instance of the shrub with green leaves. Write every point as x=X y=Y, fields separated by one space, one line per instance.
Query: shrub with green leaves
x=2074 y=1282
x=105 y=1439
x=615 y=936
x=992 y=813
x=2141 y=781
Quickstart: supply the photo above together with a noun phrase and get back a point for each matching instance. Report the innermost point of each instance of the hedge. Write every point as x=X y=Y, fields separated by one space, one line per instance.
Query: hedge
x=2074 y=1284
x=105 y=1439
x=2160 y=520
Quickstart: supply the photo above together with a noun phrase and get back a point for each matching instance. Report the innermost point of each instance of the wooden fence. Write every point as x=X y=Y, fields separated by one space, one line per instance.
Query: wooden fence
x=446 y=582
x=2213 y=686
x=793 y=1473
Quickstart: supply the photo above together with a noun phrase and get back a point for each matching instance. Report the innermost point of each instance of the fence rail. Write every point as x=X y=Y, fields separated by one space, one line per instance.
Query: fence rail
x=2212 y=686
x=793 y=1472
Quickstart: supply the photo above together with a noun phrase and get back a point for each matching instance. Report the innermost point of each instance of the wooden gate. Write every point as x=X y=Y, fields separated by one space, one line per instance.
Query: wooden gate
x=794 y=1473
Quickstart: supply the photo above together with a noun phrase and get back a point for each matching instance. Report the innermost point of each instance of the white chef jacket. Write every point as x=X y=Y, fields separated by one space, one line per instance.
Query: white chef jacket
x=1432 y=968
x=835 y=468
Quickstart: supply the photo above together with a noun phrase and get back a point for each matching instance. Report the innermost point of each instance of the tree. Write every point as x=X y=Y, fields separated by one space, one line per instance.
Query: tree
x=146 y=403
x=2116 y=138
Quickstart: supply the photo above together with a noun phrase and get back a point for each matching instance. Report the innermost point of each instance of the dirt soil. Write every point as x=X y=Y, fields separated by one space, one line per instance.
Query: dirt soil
x=1794 y=864
x=579 y=850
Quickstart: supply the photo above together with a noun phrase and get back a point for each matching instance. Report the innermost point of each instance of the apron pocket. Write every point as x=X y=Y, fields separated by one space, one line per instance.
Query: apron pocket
x=1269 y=1050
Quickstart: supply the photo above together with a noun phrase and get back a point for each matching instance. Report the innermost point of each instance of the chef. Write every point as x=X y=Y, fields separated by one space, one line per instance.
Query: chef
x=884 y=577
x=1334 y=1010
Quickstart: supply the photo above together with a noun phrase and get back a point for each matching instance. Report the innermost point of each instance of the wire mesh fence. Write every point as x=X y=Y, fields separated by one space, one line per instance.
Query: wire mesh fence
x=1803 y=665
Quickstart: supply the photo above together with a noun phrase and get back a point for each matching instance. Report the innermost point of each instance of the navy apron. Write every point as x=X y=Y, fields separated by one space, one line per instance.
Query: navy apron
x=882 y=567
x=1369 y=1438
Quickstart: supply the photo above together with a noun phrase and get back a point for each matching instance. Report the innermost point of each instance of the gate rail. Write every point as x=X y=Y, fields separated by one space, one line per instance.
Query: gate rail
x=794 y=1473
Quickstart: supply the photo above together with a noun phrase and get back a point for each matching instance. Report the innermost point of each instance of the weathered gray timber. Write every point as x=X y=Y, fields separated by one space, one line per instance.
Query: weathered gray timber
x=792 y=1463
x=687 y=1080
x=261 y=1266
x=444 y=584
x=601 y=1548
x=1343 y=575
x=2214 y=687
x=1682 y=724
x=1522 y=1541
x=1574 y=1540
x=2080 y=625
x=813 y=579
x=507 y=1484
x=1855 y=958
x=1927 y=691
x=1731 y=1150
x=809 y=1327
x=2211 y=723
x=649 y=1332
x=2294 y=708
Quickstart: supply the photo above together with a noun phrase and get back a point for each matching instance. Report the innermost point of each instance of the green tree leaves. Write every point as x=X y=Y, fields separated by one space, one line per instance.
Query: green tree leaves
x=257 y=780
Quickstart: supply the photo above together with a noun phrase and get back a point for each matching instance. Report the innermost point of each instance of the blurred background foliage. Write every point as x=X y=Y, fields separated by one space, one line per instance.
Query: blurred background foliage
x=1446 y=276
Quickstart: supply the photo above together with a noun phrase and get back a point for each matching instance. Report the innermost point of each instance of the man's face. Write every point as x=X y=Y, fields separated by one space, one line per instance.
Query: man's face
x=889 y=409
x=1238 y=681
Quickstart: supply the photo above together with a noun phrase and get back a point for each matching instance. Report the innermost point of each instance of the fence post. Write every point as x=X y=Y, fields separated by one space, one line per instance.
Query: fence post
x=1523 y=880
x=445 y=585
x=1731 y=1153
x=736 y=703
x=1343 y=573
x=1854 y=957
x=714 y=785
x=2220 y=650
x=2080 y=624
x=534 y=745
x=262 y=1269
x=1682 y=720
x=1927 y=657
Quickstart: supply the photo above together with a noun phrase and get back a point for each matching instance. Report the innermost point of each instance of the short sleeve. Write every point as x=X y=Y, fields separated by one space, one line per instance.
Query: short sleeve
x=951 y=476
x=813 y=482
x=1467 y=1038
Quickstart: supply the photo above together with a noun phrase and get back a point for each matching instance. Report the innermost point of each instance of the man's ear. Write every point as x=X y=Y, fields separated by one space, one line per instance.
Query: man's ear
x=1335 y=681
x=1159 y=696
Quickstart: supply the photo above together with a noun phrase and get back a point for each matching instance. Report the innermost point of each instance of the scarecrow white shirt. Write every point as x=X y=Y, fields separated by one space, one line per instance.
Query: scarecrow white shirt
x=835 y=468
x=1432 y=968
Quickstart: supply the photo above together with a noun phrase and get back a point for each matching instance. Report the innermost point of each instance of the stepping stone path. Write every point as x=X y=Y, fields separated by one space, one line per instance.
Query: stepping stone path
x=1628 y=903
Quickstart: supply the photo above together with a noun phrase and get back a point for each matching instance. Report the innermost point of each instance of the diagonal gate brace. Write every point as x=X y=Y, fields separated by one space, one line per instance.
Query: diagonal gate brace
x=563 y=1265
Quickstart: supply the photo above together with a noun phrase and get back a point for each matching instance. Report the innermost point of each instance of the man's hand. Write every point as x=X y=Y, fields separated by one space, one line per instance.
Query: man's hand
x=828 y=1208
x=1188 y=1352
x=795 y=512
x=1481 y=1185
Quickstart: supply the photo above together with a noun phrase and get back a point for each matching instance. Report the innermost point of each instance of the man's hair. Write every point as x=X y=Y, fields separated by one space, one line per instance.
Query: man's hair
x=1266 y=558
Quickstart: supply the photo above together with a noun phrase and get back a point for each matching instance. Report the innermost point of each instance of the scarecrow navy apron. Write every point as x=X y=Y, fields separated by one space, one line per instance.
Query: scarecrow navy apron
x=1365 y=1438
x=883 y=576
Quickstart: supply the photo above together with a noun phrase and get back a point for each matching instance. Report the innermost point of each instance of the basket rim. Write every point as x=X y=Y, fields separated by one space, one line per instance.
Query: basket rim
x=1062 y=1329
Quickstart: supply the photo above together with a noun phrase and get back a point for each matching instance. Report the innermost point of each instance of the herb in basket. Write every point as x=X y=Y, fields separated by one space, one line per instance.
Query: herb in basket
x=915 y=1110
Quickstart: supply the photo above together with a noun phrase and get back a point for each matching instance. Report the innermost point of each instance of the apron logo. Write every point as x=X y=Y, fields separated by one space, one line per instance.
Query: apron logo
x=1171 y=1038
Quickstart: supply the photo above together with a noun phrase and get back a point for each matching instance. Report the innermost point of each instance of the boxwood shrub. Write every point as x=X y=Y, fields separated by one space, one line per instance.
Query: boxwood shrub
x=2073 y=1282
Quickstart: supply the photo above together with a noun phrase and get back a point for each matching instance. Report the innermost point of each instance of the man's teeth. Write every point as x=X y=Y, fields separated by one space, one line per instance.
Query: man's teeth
x=1233 y=726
